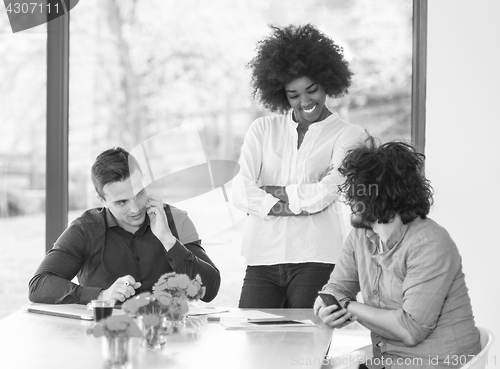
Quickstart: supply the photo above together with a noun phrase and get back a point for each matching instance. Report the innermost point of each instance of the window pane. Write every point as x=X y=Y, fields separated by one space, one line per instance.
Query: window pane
x=22 y=160
x=142 y=68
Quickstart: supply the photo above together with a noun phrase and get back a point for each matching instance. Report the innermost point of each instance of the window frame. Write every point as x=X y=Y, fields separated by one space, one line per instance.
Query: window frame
x=419 y=75
x=57 y=173
x=56 y=189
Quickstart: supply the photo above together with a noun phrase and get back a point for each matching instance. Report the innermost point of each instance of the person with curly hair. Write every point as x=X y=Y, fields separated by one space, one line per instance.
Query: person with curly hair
x=406 y=266
x=288 y=180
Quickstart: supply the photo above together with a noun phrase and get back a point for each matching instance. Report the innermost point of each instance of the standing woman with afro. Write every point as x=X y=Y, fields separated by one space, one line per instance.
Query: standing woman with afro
x=288 y=180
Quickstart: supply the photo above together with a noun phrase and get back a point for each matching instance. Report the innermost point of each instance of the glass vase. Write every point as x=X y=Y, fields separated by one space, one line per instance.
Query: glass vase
x=116 y=352
x=171 y=326
x=152 y=335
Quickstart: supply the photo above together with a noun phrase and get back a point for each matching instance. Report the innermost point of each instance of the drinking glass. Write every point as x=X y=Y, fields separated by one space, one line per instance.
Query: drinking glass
x=102 y=309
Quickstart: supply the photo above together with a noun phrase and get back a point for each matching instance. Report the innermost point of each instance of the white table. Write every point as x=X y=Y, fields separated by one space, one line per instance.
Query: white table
x=34 y=341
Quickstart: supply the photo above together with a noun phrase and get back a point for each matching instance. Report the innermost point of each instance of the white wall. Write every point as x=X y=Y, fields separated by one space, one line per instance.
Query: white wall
x=463 y=127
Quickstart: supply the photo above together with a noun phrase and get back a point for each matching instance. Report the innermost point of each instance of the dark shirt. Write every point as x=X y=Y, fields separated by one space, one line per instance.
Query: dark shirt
x=98 y=251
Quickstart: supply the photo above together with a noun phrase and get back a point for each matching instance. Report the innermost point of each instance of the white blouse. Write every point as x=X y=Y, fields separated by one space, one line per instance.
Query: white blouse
x=269 y=156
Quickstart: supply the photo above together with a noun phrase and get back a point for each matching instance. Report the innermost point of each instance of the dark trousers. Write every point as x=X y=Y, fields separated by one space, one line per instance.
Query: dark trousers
x=283 y=285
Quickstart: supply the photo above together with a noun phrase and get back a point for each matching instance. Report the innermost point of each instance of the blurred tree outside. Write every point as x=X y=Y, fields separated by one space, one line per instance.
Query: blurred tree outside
x=23 y=73
x=22 y=120
x=142 y=67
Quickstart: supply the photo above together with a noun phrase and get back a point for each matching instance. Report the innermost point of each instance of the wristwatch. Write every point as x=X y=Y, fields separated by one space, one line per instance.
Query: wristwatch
x=346 y=304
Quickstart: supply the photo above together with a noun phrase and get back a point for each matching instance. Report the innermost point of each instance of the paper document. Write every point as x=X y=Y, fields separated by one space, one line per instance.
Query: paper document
x=203 y=310
x=242 y=314
x=266 y=324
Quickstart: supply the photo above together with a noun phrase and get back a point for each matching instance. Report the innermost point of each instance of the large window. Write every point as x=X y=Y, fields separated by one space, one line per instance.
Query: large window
x=142 y=70
x=23 y=74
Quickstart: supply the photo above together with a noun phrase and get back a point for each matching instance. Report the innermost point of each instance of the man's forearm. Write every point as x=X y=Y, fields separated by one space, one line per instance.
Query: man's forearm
x=191 y=259
x=210 y=276
x=51 y=289
x=383 y=322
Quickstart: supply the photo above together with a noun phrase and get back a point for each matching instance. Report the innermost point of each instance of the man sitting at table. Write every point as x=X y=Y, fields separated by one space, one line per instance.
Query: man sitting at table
x=407 y=267
x=122 y=248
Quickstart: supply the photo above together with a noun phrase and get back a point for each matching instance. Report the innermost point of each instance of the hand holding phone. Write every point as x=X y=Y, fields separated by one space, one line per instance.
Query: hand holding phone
x=329 y=299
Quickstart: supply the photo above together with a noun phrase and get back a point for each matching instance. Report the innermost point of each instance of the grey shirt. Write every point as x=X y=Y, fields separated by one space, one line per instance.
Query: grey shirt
x=420 y=276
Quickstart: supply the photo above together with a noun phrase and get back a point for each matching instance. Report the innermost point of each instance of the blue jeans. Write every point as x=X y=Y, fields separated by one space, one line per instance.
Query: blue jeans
x=283 y=285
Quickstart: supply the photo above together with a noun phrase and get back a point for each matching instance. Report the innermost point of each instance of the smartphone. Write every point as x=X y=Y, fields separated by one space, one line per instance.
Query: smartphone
x=329 y=299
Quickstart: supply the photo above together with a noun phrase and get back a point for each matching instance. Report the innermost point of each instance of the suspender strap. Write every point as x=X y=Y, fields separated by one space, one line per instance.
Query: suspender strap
x=171 y=223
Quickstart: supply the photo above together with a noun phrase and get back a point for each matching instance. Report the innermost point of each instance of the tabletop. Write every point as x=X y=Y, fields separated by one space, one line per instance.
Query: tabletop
x=30 y=340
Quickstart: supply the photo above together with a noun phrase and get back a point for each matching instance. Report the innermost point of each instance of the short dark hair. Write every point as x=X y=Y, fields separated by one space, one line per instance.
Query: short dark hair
x=293 y=52
x=112 y=165
x=385 y=180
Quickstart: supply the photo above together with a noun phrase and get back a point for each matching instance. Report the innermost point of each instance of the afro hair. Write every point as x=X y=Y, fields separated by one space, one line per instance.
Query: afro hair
x=293 y=52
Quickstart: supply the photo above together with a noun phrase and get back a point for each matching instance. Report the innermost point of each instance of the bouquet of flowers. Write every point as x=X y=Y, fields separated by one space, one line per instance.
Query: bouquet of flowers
x=163 y=310
x=169 y=298
x=116 y=326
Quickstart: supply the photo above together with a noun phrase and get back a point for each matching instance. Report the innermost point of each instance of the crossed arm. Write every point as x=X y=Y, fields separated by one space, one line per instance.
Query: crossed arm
x=282 y=207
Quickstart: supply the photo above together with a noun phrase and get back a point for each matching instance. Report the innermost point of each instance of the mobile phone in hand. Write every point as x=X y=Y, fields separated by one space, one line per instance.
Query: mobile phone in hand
x=329 y=299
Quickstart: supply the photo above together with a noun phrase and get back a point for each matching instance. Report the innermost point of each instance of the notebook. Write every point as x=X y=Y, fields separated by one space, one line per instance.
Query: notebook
x=74 y=311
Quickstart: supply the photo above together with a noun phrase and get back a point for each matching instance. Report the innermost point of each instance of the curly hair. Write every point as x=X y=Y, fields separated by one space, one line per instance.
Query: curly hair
x=382 y=181
x=293 y=52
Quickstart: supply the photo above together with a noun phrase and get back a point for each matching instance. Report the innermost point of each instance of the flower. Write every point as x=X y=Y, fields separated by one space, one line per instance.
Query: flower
x=133 y=305
x=179 y=285
x=165 y=298
x=169 y=299
x=116 y=326
x=182 y=281
x=138 y=305
x=191 y=290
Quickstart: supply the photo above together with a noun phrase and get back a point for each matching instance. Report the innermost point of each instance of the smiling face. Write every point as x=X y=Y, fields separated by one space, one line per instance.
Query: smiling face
x=127 y=201
x=307 y=99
